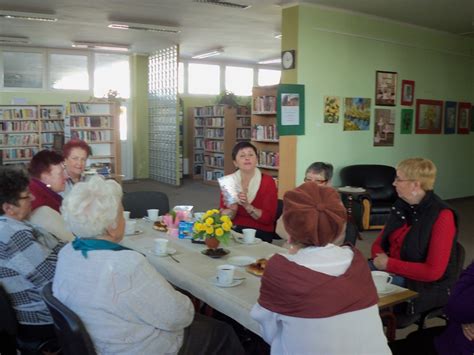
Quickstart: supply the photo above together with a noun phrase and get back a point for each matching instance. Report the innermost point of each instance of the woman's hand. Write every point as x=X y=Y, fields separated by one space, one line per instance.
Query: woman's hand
x=243 y=200
x=468 y=330
x=231 y=211
x=381 y=261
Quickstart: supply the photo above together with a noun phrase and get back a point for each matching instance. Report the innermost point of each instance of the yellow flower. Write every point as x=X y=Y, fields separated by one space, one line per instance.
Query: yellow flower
x=226 y=226
x=225 y=219
x=203 y=227
x=215 y=211
x=197 y=227
x=209 y=230
x=209 y=221
x=219 y=232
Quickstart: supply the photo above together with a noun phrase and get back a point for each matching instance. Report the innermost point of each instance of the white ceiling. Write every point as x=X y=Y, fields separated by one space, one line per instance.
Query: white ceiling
x=245 y=35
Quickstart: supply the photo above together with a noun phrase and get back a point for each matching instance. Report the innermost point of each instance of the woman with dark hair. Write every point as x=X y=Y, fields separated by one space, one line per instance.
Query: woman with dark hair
x=257 y=199
x=47 y=181
x=75 y=153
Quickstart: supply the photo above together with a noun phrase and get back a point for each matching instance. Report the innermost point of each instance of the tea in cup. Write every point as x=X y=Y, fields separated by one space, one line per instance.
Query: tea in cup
x=161 y=246
x=225 y=274
x=126 y=215
x=130 y=225
x=382 y=280
x=153 y=214
x=249 y=235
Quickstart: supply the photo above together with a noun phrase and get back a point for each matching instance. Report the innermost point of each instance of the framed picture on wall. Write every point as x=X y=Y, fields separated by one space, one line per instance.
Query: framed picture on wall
x=429 y=114
x=463 y=117
x=408 y=92
x=385 y=88
x=406 y=122
x=450 y=114
x=384 y=127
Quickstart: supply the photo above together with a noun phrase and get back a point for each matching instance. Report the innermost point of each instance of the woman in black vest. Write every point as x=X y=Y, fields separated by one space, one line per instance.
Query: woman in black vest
x=418 y=241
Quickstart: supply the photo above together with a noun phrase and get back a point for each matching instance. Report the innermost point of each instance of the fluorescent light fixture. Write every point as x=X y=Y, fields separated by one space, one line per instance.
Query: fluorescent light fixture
x=122 y=25
x=209 y=53
x=271 y=61
x=102 y=46
x=277 y=35
x=27 y=16
x=14 y=40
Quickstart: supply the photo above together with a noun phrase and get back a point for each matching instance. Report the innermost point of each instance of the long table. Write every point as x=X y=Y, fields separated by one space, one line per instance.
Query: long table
x=194 y=271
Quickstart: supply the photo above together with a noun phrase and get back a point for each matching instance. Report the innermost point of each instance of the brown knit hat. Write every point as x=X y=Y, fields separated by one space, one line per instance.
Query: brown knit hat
x=313 y=214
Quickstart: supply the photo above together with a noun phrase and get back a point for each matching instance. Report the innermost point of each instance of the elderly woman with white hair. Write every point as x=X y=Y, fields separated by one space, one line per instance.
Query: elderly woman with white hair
x=125 y=304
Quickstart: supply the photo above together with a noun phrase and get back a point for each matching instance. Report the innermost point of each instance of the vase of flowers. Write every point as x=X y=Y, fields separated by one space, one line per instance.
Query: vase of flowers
x=214 y=227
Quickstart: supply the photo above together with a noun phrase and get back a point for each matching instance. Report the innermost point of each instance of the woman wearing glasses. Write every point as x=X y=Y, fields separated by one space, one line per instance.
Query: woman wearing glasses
x=418 y=241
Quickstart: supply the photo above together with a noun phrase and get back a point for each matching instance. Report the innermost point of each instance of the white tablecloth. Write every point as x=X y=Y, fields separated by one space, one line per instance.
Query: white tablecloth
x=194 y=271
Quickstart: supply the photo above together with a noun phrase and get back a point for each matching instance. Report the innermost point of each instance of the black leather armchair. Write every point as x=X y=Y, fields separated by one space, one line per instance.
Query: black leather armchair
x=377 y=180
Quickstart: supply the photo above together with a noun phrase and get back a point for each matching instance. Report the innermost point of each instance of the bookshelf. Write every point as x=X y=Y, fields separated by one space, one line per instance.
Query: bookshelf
x=97 y=123
x=264 y=129
x=215 y=131
x=27 y=129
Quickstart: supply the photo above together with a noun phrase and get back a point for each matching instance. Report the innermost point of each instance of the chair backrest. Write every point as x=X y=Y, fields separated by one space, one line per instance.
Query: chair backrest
x=460 y=257
x=8 y=321
x=376 y=179
x=71 y=332
x=139 y=201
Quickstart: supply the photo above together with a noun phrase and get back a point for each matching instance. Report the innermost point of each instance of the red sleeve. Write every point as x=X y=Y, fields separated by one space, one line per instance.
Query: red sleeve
x=439 y=251
x=268 y=204
x=377 y=246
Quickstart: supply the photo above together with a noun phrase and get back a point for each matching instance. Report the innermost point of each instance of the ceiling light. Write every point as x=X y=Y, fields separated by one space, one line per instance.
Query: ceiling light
x=209 y=53
x=102 y=46
x=277 y=35
x=224 y=3
x=271 y=61
x=122 y=25
x=27 y=16
x=14 y=40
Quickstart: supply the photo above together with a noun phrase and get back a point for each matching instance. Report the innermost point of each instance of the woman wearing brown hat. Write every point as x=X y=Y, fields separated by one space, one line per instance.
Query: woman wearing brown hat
x=320 y=299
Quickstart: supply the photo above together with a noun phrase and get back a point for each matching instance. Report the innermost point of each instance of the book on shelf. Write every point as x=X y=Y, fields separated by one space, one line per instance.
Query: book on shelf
x=92 y=136
x=214 y=145
x=216 y=110
x=215 y=133
x=217 y=122
x=265 y=104
x=265 y=132
x=270 y=159
x=19 y=153
x=91 y=122
x=18 y=126
x=17 y=113
x=243 y=133
x=55 y=113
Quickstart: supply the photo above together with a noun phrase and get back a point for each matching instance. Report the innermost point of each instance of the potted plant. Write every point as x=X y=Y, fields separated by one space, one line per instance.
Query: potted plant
x=214 y=228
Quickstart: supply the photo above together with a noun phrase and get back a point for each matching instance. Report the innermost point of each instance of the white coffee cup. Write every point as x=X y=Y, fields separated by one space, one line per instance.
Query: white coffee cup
x=153 y=214
x=126 y=215
x=249 y=235
x=225 y=274
x=382 y=280
x=130 y=225
x=161 y=246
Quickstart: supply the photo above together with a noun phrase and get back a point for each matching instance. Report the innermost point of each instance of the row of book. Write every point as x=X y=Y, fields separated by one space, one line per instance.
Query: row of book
x=243 y=133
x=215 y=122
x=243 y=110
x=79 y=108
x=198 y=121
x=214 y=133
x=244 y=121
x=265 y=132
x=214 y=160
x=198 y=143
x=92 y=136
x=213 y=174
x=198 y=158
x=91 y=122
x=52 y=126
x=264 y=104
x=214 y=145
x=18 y=126
x=23 y=153
x=217 y=110
x=51 y=113
x=269 y=159
x=198 y=132
x=47 y=138
x=17 y=113
x=19 y=139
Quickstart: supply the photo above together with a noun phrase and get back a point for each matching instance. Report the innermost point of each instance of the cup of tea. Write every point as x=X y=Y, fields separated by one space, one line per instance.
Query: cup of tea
x=382 y=280
x=225 y=274
x=130 y=226
x=126 y=215
x=161 y=246
x=249 y=235
x=153 y=214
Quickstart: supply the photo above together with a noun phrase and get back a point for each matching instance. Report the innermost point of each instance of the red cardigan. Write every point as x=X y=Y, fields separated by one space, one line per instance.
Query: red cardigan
x=439 y=250
x=265 y=200
x=44 y=196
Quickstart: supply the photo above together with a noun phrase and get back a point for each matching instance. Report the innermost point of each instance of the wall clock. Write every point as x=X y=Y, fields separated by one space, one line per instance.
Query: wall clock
x=288 y=59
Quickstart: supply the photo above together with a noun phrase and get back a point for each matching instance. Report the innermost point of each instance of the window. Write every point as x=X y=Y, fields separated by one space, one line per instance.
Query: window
x=239 y=80
x=23 y=70
x=268 y=77
x=180 y=77
x=204 y=79
x=111 y=72
x=68 y=71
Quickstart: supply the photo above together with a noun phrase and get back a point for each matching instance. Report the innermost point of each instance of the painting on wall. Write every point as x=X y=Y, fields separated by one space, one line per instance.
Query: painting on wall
x=406 y=122
x=429 y=114
x=408 y=92
x=385 y=88
x=332 y=105
x=450 y=114
x=356 y=114
x=463 y=117
x=384 y=127
x=472 y=120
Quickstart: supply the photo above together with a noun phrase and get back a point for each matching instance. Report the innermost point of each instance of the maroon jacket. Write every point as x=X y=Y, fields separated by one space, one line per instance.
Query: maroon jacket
x=44 y=196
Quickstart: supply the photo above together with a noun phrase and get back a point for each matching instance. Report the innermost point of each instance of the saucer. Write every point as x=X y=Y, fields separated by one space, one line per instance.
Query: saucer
x=137 y=232
x=241 y=241
x=389 y=289
x=169 y=251
x=215 y=253
x=213 y=280
x=241 y=260
x=148 y=219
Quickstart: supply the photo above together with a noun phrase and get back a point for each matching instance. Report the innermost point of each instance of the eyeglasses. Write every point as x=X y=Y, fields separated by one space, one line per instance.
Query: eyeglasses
x=316 y=181
x=399 y=179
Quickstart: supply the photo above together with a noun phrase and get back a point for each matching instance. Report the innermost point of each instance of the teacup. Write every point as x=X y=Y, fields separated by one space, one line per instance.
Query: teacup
x=130 y=225
x=126 y=215
x=153 y=214
x=161 y=246
x=382 y=280
x=249 y=235
x=225 y=274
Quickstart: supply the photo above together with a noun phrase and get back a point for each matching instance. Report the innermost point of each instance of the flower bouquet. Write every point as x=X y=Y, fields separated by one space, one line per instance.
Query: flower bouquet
x=214 y=228
x=172 y=220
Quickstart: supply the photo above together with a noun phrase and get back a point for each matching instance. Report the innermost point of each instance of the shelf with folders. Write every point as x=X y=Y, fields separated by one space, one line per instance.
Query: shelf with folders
x=97 y=123
x=264 y=128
